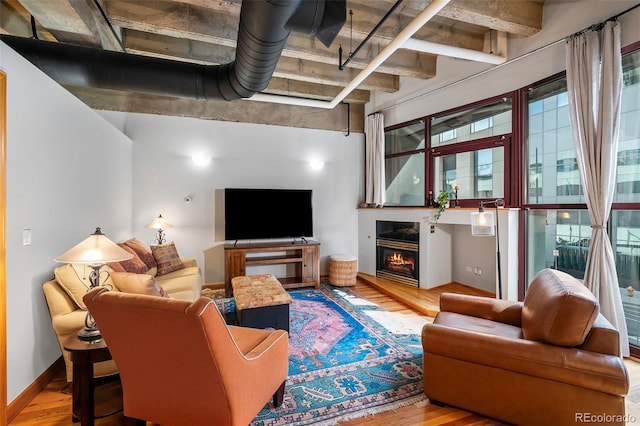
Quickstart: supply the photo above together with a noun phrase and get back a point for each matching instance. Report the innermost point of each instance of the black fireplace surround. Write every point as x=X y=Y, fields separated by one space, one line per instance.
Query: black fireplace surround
x=398 y=254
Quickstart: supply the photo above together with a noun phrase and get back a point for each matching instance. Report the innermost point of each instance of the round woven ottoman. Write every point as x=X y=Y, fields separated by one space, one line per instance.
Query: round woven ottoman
x=343 y=269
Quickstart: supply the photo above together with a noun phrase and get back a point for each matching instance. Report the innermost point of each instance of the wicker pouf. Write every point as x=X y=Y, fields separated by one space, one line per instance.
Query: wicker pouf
x=343 y=269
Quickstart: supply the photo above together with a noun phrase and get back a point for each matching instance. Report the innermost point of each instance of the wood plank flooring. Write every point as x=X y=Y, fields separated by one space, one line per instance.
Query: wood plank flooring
x=52 y=407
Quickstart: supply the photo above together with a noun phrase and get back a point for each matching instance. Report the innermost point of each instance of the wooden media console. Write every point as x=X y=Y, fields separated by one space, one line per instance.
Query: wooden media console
x=305 y=256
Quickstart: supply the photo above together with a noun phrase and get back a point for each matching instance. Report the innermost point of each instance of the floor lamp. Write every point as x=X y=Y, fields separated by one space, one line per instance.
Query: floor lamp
x=482 y=225
x=95 y=252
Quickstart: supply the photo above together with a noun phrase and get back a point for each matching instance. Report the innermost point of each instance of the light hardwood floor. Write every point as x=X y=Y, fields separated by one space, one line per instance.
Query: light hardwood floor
x=52 y=407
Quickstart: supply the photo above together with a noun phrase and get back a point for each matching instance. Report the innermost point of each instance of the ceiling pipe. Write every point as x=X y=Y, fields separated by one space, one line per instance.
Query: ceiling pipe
x=419 y=21
x=452 y=51
x=262 y=34
x=425 y=16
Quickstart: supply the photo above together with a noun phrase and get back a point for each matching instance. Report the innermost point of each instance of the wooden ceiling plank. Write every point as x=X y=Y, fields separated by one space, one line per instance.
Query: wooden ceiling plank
x=406 y=63
x=58 y=15
x=301 y=89
x=221 y=30
x=89 y=12
x=182 y=49
x=522 y=17
x=294 y=69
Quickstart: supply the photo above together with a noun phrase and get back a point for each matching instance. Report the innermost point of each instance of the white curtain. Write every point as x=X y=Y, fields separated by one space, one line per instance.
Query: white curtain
x=375 y=192
x=594 y=82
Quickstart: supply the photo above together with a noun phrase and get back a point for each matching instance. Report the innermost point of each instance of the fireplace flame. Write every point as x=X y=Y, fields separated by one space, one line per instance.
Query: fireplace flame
x=396 y=261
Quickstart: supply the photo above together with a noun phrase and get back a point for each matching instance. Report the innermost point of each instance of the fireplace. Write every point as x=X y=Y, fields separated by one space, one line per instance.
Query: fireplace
x=397 y=257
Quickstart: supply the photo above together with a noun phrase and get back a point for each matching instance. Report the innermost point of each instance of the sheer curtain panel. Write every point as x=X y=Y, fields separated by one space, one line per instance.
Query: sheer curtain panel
x=375 y=190
x=594 y=82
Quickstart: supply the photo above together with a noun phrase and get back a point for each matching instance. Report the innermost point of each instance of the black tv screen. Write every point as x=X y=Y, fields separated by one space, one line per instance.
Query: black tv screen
x=267 y=213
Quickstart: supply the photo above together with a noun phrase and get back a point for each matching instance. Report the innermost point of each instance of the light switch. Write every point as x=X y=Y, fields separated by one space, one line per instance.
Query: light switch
x=26 y=236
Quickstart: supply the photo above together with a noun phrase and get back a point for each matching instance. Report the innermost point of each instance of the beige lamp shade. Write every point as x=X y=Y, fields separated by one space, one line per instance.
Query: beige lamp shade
x=159 y=223
x=482 y=224
x=95 y=250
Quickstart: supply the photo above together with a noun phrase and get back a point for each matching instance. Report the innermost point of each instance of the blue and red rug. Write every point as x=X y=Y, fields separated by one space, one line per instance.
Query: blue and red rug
x=347 y=358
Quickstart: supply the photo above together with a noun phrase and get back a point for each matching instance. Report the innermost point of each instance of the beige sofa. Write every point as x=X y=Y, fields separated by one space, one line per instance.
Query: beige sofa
x=64 y=299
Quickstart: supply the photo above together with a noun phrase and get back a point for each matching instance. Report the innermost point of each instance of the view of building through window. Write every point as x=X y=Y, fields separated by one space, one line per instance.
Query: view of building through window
x=470 y=148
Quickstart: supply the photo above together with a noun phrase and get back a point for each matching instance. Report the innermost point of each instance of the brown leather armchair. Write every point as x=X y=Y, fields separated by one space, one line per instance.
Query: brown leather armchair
x=180 y=364
x=552 y=359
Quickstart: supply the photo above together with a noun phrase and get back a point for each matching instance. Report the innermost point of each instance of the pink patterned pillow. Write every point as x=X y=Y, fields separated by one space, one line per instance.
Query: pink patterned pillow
x=134 y=264
x=167 y=258
x=141 y=250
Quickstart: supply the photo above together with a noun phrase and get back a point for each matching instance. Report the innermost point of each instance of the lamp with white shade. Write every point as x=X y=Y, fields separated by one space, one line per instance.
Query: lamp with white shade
x=485 y=224
x=159 y=224
x=95 y=251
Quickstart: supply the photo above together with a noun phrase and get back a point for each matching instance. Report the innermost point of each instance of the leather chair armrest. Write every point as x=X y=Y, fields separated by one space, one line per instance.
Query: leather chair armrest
x=603 y=338
x=604 y=373
x=504 y=311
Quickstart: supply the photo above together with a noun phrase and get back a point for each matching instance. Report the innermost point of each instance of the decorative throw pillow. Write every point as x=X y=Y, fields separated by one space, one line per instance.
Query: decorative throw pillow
x=142 y=251
x=137 y=284
x=167 y=258
x=74 y=280
x=135 y=264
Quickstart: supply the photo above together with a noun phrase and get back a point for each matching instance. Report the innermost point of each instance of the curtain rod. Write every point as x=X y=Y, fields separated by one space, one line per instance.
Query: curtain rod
x=517 y=58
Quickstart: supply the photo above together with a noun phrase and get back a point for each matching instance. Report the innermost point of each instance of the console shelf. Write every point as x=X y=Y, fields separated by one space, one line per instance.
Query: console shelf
x=304 y=255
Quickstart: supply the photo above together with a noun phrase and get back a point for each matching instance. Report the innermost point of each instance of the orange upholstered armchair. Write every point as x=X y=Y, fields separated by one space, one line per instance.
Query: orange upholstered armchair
x=180 y=364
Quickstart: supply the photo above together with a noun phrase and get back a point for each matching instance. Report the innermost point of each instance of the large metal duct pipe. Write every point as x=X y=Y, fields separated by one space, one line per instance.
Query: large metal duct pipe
x=262 y=35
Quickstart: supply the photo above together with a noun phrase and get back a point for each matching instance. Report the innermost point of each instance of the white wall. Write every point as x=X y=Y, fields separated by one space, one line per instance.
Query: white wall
x=68 y=171
x=244 y=155
x=562 y=18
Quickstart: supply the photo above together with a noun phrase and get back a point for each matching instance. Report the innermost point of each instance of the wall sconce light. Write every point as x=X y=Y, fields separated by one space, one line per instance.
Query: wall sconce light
x=482 y=225
x=316 y=164
x=159 y=224
x=201 y=160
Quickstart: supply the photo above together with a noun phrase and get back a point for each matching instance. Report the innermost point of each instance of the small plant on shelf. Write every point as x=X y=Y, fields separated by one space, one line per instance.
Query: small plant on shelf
x=442 y=201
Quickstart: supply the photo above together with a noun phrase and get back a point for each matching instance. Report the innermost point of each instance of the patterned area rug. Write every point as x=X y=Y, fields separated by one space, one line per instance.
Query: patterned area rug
x=347 y=358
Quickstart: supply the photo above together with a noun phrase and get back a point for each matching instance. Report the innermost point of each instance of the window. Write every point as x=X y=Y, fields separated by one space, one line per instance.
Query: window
x=448 y=135
x=476 y=122
x=404 y=165
x=480 y=125
x=559 y=237
x=552 y=168
x=472 y=161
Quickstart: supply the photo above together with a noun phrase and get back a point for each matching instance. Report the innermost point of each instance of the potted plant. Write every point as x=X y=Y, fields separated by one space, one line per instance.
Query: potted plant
x=442 y=202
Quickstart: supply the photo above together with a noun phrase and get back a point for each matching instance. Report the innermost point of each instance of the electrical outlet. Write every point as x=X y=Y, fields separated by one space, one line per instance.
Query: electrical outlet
x=477 y=270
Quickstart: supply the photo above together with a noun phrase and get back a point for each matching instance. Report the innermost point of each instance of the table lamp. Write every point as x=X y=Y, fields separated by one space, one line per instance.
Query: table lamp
x=159 y=224
x=482 y=225
x=95 y=252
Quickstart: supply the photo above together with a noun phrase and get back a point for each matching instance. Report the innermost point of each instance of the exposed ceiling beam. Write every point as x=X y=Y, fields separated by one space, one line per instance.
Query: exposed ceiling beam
x=236 y=111
x=522 y=17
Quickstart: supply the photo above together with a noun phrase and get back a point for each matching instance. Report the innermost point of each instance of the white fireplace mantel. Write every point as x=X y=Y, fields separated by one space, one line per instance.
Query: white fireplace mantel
x=448 y=252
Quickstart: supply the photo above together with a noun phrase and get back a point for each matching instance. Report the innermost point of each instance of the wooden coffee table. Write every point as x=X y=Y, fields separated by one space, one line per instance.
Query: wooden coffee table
x=261 y=302
x=92 y=397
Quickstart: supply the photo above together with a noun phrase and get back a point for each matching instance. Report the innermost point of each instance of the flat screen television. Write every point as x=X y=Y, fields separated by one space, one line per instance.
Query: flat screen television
x=267 y=213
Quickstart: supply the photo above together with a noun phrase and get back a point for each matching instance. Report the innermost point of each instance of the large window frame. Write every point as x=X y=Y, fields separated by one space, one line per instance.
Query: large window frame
x=433 y=153
x=518 y=171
